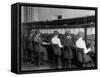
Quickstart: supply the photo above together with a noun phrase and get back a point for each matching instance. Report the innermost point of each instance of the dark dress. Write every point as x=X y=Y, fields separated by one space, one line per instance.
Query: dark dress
x=83 y=57
x=56 y=49
x=39 y=47
x=25 y=44
x=68 y=44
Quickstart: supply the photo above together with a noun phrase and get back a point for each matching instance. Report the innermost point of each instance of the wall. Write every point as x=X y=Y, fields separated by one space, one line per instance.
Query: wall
x=45 y=13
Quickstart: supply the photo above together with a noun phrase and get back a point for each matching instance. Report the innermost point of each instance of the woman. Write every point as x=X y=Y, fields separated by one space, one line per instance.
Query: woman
x=68 y=52
x=80 y=43
x=38 y=45
x=56 y=45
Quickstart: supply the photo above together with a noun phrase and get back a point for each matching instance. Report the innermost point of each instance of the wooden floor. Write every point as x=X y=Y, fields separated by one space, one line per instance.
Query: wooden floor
x=42 y=66
x=47 y=65
x=35 y=66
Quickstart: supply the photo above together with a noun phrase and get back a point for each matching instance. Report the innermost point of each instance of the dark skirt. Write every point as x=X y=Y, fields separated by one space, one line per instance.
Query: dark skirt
x=68 y=53
x=87 y=58
x=56 y=50
x=84 y=57
x=40 y=48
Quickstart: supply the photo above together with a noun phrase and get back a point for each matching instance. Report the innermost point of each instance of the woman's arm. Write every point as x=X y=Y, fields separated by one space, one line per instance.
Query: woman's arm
x=85 y=48
x=59 y=43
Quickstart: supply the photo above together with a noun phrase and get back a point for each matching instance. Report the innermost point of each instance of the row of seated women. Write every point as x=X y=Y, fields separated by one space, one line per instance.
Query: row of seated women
x=61 y=52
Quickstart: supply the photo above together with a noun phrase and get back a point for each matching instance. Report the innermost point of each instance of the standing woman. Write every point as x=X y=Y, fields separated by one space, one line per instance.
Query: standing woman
x=38 y=45
x=31 y=44
x=56 y=45
x=25 y=44
x=68 y=52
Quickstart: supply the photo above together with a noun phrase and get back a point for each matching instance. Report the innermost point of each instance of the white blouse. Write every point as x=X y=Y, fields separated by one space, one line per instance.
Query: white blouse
x=80 y=43
x=56 y=40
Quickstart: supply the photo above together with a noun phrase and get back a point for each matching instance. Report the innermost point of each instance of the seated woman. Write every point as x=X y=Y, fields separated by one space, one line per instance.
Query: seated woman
x=68 y=46
x=80 y=43
x=38 y=45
